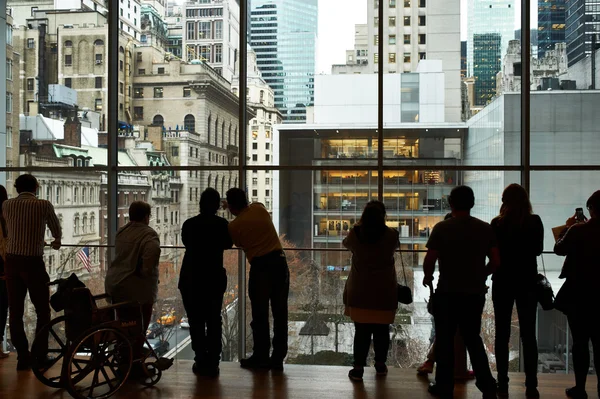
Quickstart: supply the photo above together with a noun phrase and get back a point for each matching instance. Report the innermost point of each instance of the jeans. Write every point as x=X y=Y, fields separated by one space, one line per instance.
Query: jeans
x=362 y=342
x=3 y=309
x=460 y=311
x=504 y=299
x=203 y=308
x=269 y=281
x=583 y=329
x=27 y=274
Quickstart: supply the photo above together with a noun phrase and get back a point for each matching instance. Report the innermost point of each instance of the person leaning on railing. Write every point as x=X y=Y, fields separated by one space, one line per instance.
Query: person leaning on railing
x=254 y=232
x=26 y=219
x=582 y=272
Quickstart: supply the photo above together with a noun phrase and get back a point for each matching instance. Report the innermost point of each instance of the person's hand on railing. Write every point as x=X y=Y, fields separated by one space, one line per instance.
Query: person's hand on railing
x=56 y=244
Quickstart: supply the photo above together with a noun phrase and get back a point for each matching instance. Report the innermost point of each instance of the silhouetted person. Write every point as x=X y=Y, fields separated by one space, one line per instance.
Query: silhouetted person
x=371 y=294
x=203 y=281
x=3 y=290
x=461 y=244
x=133 y=273
x=582 y=271
x=520 y=237
x=269 y=281
x=26 y=221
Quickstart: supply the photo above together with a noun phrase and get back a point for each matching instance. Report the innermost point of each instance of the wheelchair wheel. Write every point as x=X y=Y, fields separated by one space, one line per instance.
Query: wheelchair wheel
x=50 y=372
x=151 y=374
x=108 y=354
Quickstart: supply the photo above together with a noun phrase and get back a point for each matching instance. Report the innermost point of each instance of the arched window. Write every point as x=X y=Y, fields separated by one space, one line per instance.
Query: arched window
x=236 y=182
x=216 y=129
x=208 y=131
x=91 y=195
x=121 y=50
x=229 y=183
x=223 y=134
x=209 y=180
x=222 y=185
x=75 y=194
x=262 y=96
x=85 y=223
x=216 y=182
x=99 y=42
x=76 y=224
x=68 y=43
x=158 y=120
x=189 y=123
x=235 y=137
x=83 y=195
x=229 y=136
x=92 y=223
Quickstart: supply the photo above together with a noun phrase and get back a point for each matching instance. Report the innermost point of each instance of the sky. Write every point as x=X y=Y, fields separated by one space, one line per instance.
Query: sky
x=336 y=28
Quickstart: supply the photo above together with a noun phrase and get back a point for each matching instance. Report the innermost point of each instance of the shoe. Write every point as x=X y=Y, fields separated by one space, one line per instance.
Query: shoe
x=426 y=368
x=532 y=393
x=206 y=371
x=276 y=365
x=381 y=369
x=438 y=391
x=356 y=374
x=255 y=363
x=489 y=395
x=576 y=393
x=24 y=362
x=502 y=390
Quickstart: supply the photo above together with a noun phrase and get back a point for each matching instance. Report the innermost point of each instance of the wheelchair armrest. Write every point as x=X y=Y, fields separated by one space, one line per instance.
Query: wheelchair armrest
x=100 y=297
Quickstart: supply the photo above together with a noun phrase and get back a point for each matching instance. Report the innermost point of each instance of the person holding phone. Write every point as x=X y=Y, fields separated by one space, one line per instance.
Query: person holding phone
x=579 y=243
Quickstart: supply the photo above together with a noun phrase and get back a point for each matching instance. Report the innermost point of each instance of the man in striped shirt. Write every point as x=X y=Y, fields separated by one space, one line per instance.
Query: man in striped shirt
x=26 y=219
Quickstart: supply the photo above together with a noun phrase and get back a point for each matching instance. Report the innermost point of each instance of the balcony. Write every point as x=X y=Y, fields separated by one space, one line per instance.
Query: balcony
x=297 y=381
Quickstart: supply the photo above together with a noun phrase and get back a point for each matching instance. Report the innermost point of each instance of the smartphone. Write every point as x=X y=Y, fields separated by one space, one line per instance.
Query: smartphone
x=579 y=216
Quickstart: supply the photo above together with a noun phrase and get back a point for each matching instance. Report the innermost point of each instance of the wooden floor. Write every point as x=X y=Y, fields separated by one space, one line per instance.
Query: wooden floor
x=297 y=382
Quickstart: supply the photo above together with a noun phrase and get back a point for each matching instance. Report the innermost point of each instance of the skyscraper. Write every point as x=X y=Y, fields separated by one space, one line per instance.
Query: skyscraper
x=583 y=23
x=284 y=36
x=551 y=24
x=489 y=16
x=487 y=61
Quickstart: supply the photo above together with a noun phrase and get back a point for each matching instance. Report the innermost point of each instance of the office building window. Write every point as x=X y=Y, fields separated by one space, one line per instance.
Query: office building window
x=392 y=58
x=422 y=56
x=376 y=40
x=255 y=157
x=187 y=92
x=138 y=92
x=421 y=20
x=68 y=60
x=161 y=71
x=255 y=146
x=98 y=59
x=158 y=92
x=376 y=58
x=392 y=21
x=406 y=3
x=422 y=39
x=422 y=3
x=406 y=58
x=141 y=71
x=376 y=21
x=218 y=53
x=138 y=113
x=392 y=39
x=406 y=39
x=30 y=84
x=68 y=82
x=392 y=3
x=9 y=65
x=98 y=82
x=30 y=43
x=255 y=180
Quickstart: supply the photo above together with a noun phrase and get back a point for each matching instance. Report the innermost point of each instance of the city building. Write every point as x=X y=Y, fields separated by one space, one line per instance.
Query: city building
x=10 y=119
x=463 y=59
x=417 y=30
x=154 y=31
x=548 y=72
x=189 y=112
x=552 y=19
x=487 y=62
x=277 y=29
x=175 y=35
x=582 y=29
x=489 y=16
x=585 y=72
x=357 y=59
x=212 y=34
x=260 y=133
x=54 y=50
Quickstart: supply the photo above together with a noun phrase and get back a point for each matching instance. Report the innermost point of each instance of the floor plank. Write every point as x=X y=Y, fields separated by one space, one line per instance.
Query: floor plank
x=297 y=382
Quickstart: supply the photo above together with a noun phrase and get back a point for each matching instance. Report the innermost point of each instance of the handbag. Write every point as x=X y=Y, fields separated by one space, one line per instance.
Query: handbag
x=404 y=291
x=563 y=300
x=543 y=290
x=430 y=303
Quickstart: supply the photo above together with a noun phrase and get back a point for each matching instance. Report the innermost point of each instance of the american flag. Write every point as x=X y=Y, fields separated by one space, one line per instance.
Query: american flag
x=84 y=257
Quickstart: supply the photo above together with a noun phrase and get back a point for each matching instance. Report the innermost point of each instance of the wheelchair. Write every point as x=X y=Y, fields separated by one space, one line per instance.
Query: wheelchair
x=90 y=351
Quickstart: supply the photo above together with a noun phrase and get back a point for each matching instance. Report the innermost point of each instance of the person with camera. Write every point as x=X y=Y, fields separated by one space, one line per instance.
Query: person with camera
x=520 y=237
x=579 y=243
x=269 y=281
x=461 y=244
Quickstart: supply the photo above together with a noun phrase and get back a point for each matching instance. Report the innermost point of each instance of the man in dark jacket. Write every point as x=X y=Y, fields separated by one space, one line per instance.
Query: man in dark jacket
x=203 y=281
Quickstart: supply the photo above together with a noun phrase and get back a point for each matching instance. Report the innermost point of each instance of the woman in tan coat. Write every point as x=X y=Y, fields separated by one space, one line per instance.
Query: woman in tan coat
x=370 y=295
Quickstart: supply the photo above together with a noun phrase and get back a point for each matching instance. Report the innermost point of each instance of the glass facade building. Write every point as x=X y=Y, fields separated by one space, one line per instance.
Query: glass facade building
x=487 y=62
x=489 y=16
x=551 y=25
x=583 y=25
x=283 y=34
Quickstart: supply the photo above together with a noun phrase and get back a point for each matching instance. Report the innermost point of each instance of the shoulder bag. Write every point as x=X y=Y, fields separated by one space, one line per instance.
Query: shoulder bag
x=404 y=291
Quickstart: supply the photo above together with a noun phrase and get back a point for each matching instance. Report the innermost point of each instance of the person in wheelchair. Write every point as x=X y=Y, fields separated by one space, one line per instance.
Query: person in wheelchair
x=133 y=274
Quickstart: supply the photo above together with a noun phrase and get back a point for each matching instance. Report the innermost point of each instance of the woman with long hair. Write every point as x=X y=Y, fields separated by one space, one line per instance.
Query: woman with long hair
x=370 y=295
x=3 y=291
x=581 y=301
x=520 y=236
